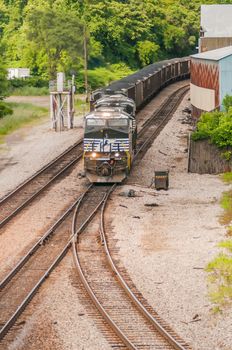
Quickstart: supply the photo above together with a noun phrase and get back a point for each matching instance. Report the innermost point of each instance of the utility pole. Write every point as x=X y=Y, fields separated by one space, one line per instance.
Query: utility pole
x=86 y=63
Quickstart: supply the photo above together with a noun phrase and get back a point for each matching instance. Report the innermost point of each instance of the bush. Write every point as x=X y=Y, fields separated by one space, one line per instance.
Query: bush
x=5 y=110
x=31 y=81
x=102 y=76
x=215 y=126
x=227 y=102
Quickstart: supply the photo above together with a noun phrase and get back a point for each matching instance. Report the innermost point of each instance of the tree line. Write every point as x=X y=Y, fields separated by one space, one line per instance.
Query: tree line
x=47 y=35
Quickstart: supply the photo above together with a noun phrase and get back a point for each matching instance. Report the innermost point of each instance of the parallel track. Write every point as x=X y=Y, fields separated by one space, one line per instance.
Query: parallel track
x=135 y=327
x=48 y=256
x=13 y=203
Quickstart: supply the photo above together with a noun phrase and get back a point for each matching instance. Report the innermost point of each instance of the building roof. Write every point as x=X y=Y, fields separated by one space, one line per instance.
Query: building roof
x=216 y=20
x=214 y=55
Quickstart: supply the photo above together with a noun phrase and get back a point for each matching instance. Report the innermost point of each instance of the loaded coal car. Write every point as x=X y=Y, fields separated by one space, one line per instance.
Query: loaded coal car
x=118 y=100
x=109 y=144
x=110 y=129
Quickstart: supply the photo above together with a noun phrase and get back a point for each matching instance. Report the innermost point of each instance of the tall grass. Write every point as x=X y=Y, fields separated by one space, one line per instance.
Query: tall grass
x=30 y=91
x=23 y=114
x=220 y=268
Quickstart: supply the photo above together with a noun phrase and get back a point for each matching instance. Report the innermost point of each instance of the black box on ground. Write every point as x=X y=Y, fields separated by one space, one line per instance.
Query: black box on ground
x=161 y=180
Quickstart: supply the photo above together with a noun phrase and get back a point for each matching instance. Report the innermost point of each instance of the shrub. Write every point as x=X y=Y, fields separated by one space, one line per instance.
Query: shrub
x=220 y=276
x=5 y=109
x=215 y=126
x=31 y=81
x=227 y=102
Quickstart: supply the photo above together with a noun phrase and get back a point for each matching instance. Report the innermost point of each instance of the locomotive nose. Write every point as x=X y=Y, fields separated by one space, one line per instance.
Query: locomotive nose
x=105 y=171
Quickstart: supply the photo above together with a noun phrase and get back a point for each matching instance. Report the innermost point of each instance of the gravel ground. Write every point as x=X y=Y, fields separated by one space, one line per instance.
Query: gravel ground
x=30 y=148
x=165 y=248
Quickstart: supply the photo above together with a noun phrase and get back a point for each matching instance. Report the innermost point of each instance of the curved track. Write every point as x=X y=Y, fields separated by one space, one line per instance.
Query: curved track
x=134 y=325
x=46 y=256
x=30 y=189
x=125 y=314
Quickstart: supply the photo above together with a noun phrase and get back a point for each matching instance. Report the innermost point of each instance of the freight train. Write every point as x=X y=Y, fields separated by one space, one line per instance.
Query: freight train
x=110 y=128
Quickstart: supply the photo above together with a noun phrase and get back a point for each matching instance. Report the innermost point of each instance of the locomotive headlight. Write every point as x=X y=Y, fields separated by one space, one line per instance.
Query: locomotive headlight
x=117 y=154
x=94 y=154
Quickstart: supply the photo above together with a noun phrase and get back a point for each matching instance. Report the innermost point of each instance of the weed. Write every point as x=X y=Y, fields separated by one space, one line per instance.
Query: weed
x=23 y=114
x=220 y=269
x=226 y=203
x=30 y=91
x=227 y=177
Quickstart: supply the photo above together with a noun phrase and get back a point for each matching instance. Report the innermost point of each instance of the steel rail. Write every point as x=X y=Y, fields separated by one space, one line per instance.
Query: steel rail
x=40 y=171
x=156 y=324
x=47 y=184
x=71 y=241
x=172 y=341
x=30 y=199
x=11 y=321
x=89 y=290
x=7 y=326
x=36 y=246
x=163 y=121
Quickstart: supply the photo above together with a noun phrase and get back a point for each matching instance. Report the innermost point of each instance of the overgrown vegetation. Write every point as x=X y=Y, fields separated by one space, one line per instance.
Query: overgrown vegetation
x=23 y=114
x=47 y=36
x=220 y=269
x=217 y=128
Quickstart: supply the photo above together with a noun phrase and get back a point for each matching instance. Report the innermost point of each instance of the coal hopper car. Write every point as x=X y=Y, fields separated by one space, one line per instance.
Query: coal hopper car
x=110 y=128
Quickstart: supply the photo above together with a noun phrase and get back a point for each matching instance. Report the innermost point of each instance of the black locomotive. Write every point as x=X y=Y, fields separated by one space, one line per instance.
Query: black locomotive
x=110 y=128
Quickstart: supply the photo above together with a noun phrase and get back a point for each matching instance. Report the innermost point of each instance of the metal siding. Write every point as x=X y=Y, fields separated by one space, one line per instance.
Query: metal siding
x=208 y=44
x=216 y=20
x=225 y=78
x=202 y=98
x=205 y=74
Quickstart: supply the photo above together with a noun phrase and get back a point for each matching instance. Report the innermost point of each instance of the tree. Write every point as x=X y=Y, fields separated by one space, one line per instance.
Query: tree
x=3 y=82
x=147 y=51
x=54 y=39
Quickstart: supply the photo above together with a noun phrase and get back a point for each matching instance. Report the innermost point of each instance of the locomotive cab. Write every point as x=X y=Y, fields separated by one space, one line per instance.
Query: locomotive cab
x=117 y=101
x=108 y=144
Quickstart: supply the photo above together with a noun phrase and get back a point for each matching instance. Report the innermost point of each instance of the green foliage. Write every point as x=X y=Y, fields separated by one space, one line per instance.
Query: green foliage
x=148 y=52
x=37 y=82
x=217 y=127
x=30 y=91
x=227 y=102
x=5 y=109
x=47 y=36
x=102 y=76
x=23 y=114
x=33 y=86
x=3 y=82
x=227 y=177
x=220 y=276
x=226 y=201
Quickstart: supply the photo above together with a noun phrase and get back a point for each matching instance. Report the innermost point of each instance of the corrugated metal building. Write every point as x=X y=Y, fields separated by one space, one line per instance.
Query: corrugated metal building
x=211 y=79
x=216 y=27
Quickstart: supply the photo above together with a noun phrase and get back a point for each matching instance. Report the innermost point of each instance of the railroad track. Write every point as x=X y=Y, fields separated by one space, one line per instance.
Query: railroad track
x=44 y=256
x=134 y=325
x=155 y=124
x=23 y=195
x=21 y=284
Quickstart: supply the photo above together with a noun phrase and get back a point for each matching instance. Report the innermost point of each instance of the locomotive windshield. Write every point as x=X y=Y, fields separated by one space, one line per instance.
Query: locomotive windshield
x=107 y=127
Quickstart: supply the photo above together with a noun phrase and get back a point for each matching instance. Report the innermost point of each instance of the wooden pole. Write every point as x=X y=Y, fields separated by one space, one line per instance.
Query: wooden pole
x=86 y=64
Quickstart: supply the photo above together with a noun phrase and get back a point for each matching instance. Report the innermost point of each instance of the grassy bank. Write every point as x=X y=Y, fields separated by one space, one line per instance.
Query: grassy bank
x=24 y=114
x=30 y=91
x=220 y=269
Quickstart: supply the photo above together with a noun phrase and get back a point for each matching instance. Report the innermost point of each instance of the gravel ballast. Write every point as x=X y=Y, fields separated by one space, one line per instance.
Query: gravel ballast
x=166 y=247
x=165 y=240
